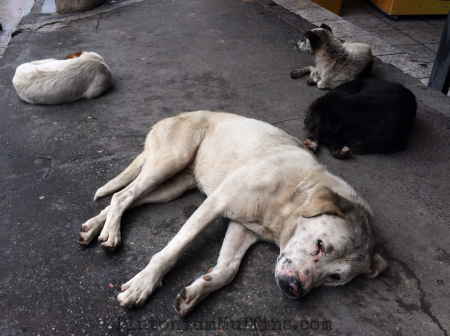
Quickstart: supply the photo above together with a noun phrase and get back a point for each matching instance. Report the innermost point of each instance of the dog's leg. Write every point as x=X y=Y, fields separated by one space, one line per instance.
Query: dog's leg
x=340 y=152
x=311 y=144
x=99 y=84
x=151 y=176
x=124 y=178
x=323 y=85
x=142 y=285
x=237 y=241
x=297 y=73
x=169 y=148
x=165 y=192
x=314 y=77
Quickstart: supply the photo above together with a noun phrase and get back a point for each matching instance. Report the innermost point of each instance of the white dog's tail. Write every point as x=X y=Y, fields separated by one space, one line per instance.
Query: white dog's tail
x=124 y=178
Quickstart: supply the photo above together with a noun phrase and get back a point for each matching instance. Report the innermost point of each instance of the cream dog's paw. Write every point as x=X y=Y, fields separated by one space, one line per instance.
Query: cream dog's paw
x=90 y=230
x=110 y=237
x=190 y=296
x=136 y=291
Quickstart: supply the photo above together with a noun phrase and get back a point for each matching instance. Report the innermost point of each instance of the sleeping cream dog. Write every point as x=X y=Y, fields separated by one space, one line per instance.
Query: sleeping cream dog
x=337 y=62
x=265 y=182
x=81 y=75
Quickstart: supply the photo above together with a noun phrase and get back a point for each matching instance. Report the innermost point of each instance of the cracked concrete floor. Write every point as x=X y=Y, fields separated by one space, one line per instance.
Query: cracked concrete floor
x=174 y=56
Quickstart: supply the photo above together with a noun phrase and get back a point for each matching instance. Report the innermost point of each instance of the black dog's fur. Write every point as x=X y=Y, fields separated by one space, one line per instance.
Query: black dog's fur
x=367 y=115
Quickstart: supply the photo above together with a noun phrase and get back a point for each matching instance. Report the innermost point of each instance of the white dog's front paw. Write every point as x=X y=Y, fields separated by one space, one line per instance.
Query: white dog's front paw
x=190 y=296
x=136 y=291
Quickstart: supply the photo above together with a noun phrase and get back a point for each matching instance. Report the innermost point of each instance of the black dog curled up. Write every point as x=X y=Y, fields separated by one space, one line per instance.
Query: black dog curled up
x=365 y=115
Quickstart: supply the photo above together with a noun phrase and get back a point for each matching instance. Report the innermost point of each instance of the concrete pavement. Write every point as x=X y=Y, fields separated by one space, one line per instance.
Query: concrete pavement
x=172 y=56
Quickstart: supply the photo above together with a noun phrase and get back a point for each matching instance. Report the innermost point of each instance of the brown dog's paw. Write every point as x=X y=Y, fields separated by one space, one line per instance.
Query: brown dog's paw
x=295 y=74
x=298 y=73
x=342 y=154
x=310 y=82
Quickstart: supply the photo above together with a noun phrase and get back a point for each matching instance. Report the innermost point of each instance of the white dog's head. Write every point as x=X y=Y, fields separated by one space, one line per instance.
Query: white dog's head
x=328 y=243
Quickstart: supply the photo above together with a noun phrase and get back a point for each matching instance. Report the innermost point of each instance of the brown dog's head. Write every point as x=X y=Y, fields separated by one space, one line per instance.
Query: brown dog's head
x=314 y=39
x=329 y=243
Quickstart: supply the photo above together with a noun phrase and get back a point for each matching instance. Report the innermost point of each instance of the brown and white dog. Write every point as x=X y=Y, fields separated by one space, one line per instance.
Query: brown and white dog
x=81 y=75
x=337 y=62
x=265 y=182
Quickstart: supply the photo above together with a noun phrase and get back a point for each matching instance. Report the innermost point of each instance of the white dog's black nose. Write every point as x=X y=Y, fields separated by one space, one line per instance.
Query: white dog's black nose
x=292 y=286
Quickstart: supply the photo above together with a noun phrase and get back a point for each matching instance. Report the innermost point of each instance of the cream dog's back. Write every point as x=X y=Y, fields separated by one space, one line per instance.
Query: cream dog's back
x=51 y=81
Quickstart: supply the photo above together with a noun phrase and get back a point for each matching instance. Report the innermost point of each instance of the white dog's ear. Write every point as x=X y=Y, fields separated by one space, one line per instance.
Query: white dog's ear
x=326 y=202
x=378 y=266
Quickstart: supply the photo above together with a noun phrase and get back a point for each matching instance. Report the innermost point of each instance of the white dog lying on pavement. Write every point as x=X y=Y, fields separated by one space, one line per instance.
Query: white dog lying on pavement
x=265 y=182
x=81 y=75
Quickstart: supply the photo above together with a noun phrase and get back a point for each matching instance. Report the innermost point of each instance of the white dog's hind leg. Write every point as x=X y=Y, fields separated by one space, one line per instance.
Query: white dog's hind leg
x=126 y=177
x=142 y=285
x=99 y=85
x=237 y=241
x=166 y=155
x=152 y=175
x=165 y=192
x=92 y=227
x=297 y=73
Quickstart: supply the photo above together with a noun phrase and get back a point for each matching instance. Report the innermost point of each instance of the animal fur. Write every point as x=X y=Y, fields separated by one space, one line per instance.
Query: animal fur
x=50 y=81
x=366 y=115
x=337 y=62
x=265 y=182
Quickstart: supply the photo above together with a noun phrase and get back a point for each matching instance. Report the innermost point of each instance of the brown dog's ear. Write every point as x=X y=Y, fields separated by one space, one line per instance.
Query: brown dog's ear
x=378 y=265
x=74 y=55
x=326 y=202
x=314 y=40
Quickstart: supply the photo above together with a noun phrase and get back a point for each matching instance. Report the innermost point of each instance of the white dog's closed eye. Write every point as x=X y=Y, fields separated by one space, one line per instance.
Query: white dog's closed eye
x=81 y=75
